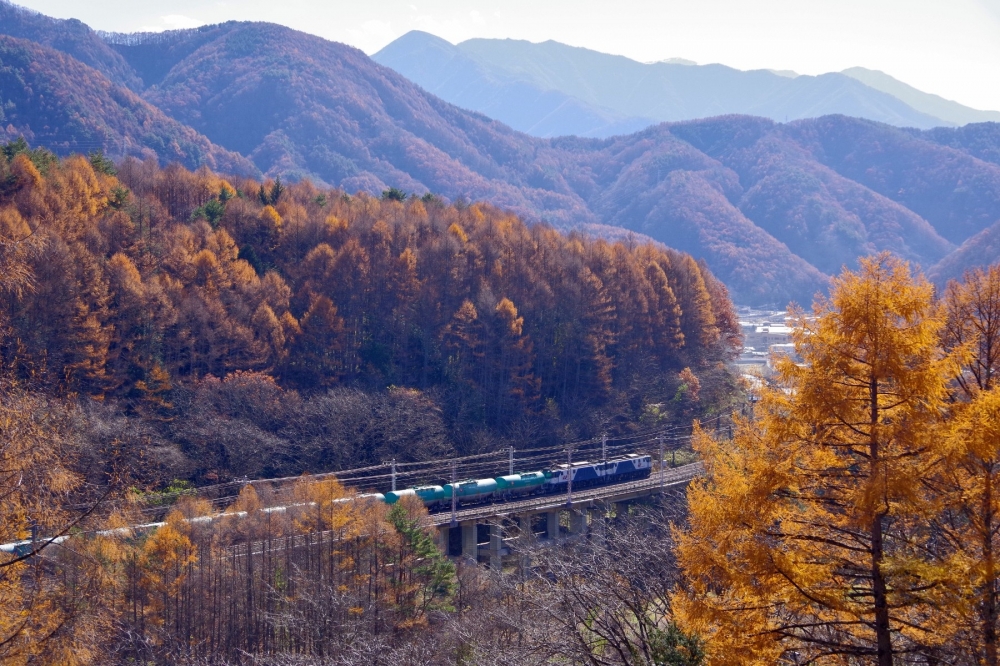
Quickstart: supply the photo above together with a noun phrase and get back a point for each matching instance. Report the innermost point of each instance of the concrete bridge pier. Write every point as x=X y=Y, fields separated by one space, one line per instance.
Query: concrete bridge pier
x=442 y=538
x=621 y=508
x=525 y=539
x=496 y=544
x=598 y=525
x=552 y=525
x=470 y=546
x=578 y=522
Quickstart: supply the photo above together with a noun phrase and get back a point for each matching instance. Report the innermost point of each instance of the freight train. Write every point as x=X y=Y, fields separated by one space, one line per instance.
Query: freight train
x=553 y=481
x=543 y=482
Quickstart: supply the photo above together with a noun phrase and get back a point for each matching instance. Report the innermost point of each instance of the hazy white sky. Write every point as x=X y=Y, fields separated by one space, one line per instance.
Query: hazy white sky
x=948 y=47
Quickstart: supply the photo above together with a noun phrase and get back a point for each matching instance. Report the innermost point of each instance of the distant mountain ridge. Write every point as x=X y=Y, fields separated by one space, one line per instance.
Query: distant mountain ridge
x=482 y=74
x=773 y=208
x=530 y=106
x=933 y=105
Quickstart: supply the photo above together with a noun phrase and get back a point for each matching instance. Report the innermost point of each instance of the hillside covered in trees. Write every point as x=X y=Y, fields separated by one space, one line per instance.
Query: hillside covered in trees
x=58 y=102
x=774 y=209
x=236 y=328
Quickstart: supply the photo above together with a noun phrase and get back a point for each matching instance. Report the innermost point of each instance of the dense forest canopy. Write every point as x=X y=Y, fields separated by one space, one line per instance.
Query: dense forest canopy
x=267 y=328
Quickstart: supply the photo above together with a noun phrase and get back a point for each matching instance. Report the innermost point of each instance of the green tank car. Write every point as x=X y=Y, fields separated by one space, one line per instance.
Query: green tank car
x=471 y=491
x=521 y=484
x=429 y=495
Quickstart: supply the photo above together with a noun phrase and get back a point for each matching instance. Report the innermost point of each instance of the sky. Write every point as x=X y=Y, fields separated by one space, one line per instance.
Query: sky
x=947 y=47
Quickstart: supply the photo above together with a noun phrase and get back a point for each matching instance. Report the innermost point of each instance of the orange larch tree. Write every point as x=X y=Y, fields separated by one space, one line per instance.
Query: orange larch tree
x=969 y=522
x=808 y=536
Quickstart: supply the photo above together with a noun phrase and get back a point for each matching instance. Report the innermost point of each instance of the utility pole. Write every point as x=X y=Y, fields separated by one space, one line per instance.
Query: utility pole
x=510 y=455
x=661 y=460
x=454 y=496
x=604 y=448
x=393 y=463
x=569 y=475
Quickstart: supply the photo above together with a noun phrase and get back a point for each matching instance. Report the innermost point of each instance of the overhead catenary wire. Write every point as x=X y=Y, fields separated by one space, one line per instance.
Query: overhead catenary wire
x=374 y=478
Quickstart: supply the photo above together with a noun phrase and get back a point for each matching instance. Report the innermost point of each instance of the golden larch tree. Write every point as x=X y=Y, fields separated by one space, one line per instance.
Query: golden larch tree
x=806 y=537
x=972 y=307
x=39 y=609
x=968 y=525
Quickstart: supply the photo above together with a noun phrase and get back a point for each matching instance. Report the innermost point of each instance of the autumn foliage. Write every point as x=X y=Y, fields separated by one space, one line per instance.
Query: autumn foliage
x=36 y=485
x=160 y=277
x=855 y=520
x=216 y=585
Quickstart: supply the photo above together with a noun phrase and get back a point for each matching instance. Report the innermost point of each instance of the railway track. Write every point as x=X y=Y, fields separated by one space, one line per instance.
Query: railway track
x=581 y=498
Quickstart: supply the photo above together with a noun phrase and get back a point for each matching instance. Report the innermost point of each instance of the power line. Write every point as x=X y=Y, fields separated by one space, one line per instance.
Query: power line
x=433 y=472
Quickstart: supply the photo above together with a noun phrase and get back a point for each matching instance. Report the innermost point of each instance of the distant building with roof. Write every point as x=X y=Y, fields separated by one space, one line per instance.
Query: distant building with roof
x=762 y=336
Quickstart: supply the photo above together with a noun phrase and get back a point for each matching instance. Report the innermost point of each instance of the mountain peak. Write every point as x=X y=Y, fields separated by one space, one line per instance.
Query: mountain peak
x=418 y=37
x=94 y=113
x=68 y=36
x=675 y=61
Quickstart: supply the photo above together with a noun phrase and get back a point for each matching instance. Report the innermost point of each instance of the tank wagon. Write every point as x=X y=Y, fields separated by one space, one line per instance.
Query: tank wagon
x=542 y=482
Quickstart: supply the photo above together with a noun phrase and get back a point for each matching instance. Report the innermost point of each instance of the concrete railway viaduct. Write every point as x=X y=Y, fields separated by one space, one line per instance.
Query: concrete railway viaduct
x=489 y=533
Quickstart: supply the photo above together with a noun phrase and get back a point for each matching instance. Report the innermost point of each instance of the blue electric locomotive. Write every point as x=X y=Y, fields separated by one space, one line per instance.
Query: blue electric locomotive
x=588 y=475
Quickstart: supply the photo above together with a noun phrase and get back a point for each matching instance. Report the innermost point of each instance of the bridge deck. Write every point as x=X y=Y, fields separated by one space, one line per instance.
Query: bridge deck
x=581 y=499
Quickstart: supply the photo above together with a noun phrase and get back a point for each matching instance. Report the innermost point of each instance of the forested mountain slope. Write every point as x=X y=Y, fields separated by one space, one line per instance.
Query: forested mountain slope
x=147 y=283
x=773 y=208
x=983 y=249
x=56 y=101
x=981 y=140
x=772 y=217
x=71 y=37
x=951 y=112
